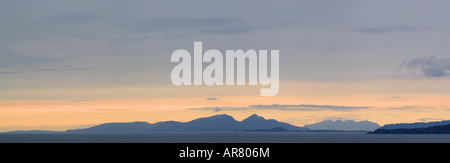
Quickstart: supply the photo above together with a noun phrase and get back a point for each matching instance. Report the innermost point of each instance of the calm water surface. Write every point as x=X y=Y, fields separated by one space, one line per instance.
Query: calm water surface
x=224 y=137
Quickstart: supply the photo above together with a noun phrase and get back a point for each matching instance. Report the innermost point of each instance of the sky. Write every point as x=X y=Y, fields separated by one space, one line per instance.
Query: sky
x=66 y=64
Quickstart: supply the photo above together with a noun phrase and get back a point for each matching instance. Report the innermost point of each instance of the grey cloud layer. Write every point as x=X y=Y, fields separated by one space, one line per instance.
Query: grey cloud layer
x=318 y=40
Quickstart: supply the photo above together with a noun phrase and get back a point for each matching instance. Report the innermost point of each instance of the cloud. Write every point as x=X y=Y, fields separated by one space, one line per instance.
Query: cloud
x=384 y=29
x=302 y=107
x=211 y=98
x=410 y=107
x=428 y=66
x=403 y=107
x=218 y=109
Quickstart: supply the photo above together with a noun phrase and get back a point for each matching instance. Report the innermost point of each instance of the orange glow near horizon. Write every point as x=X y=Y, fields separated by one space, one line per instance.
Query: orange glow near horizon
x=387 y=102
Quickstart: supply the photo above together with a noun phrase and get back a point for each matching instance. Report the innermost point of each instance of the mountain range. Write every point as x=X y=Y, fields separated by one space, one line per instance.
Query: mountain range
x=217 y=123
x=438 y=127
x=415 y=125
x=255 y=123
x=222 y=123
x=442 y=129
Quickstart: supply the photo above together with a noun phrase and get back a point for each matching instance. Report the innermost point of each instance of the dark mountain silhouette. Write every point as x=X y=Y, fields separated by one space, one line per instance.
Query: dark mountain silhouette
x=415 y=125
x=128 y=127
x=207 y=124
x=257 y=122
x=276 y=129
x=215 y=123
x=444 y=129
x=347 y=125
x=167 y=126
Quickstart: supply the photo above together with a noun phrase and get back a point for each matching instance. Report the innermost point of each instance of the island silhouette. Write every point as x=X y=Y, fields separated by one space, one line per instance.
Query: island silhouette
x=216 y=123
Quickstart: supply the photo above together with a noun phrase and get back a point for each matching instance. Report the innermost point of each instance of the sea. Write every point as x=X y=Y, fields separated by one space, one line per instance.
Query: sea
x=223 y=137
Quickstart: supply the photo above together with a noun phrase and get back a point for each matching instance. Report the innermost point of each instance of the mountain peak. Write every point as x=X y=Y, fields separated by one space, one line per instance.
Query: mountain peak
x=254 y=117
x=222 y=115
